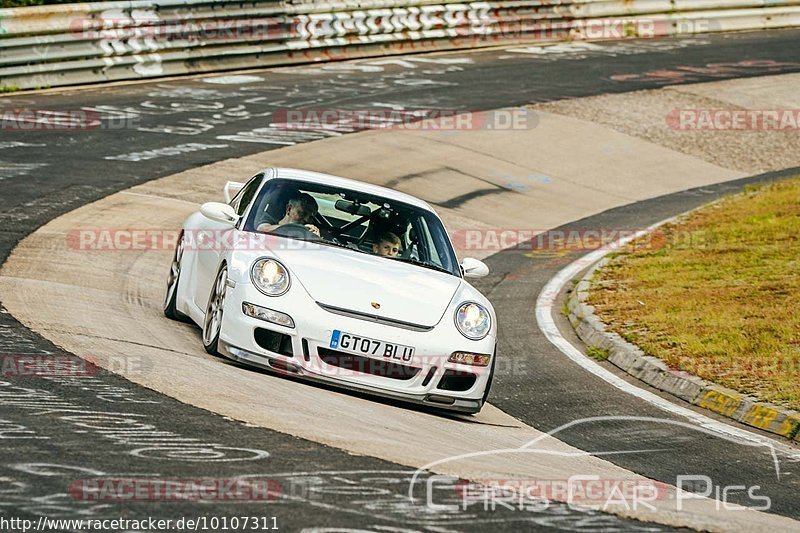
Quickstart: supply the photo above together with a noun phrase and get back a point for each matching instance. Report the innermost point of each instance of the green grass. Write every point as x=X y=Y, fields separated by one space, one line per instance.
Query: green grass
x=717 y=294
x=599 y=354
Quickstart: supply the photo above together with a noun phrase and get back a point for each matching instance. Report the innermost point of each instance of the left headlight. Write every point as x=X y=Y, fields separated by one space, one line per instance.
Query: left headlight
x=270 y=277
x=473 y=320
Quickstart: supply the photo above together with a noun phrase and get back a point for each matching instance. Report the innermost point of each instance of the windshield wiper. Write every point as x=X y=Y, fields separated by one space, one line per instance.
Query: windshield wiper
x=422 y=264
x=336 y=244
x=411 y=260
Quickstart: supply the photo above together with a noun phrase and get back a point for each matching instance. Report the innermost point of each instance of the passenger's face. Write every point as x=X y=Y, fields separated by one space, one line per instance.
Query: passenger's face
x=387 y=249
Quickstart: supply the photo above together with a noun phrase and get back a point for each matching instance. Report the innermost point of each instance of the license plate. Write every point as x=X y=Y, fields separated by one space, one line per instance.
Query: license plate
x=358 y=344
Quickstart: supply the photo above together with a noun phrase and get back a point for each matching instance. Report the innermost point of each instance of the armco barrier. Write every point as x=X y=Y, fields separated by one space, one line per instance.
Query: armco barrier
x=47 y=46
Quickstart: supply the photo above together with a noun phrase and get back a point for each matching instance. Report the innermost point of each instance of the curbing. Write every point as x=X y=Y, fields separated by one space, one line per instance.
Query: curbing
x=654 y=372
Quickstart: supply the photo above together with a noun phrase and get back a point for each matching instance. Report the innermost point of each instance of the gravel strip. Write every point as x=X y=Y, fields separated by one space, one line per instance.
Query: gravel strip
x=644 y=114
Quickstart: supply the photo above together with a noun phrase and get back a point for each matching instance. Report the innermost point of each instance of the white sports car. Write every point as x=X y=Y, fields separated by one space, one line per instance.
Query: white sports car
x=337 y=281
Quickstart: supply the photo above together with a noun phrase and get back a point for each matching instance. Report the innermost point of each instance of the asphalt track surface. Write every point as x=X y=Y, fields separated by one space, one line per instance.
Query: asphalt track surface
x=57 y=431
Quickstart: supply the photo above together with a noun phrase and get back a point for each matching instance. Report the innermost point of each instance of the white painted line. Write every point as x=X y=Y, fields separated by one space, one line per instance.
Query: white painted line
x=544 y=317
x=155 y=196
x=239 y=79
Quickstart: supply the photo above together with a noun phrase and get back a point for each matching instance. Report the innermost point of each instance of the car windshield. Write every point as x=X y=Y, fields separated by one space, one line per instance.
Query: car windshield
x=359 y=221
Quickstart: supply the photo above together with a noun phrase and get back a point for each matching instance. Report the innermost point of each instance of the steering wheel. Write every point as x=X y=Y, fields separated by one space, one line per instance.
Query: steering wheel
x=295 y=231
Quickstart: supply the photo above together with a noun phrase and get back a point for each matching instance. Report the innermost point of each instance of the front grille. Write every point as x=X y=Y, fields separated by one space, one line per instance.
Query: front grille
x=275 y=342
x=374 y=318
x=366 y=365
x=455 y=380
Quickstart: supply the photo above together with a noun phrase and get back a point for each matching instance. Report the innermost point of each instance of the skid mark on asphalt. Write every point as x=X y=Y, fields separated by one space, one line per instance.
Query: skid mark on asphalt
x=278 y=136
x=18 y=144
x=690 y=73
x=460 y=200
x=121 y=341
x=122 y=428
x=14 y=170
x=584 y=50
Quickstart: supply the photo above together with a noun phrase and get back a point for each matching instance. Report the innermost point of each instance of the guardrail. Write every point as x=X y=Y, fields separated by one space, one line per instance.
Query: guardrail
x=67 y=44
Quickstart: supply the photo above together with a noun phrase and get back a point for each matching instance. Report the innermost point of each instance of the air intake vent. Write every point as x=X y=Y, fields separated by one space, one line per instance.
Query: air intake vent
x=456 y=381
x=429 y=377
x=275 y=342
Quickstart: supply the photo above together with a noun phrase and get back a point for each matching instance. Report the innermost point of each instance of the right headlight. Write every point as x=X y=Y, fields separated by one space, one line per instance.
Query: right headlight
x=473 y=320
x=270 y=277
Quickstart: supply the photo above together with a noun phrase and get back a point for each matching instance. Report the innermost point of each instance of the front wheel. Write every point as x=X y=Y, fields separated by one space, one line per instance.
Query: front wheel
x=171 y=296
x=212 y=324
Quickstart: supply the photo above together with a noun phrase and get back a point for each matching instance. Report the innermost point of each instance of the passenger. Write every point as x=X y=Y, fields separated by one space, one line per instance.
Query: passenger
x=300 y=209
x=388 y=245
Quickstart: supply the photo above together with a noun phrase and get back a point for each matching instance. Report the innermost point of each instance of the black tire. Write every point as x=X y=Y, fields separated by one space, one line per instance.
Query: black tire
x=212 y=322
x=171 y=296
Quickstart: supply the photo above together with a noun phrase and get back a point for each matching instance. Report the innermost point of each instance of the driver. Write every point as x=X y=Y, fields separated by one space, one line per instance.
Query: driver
x=300 y=209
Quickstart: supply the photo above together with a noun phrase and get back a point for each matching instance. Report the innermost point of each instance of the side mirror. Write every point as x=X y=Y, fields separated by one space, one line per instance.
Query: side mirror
x=219 y=212
x=472 y=268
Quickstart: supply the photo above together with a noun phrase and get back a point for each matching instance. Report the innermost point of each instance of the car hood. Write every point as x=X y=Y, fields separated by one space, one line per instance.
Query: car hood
x=354 y=281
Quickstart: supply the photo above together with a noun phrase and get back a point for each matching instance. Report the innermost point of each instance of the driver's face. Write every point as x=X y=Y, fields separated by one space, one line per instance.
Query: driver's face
x=298 y=215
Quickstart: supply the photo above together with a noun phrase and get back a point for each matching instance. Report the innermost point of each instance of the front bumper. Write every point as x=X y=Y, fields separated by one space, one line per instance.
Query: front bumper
x=426 y=379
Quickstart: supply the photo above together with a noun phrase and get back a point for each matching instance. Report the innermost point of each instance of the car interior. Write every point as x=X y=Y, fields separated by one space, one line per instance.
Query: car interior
x=356 y=220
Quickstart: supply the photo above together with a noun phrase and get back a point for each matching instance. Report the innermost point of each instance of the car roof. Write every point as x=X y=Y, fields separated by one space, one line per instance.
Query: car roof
x=345 y=183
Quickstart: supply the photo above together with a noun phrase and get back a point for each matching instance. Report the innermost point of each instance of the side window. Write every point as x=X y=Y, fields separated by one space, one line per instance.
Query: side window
x=242 y=200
